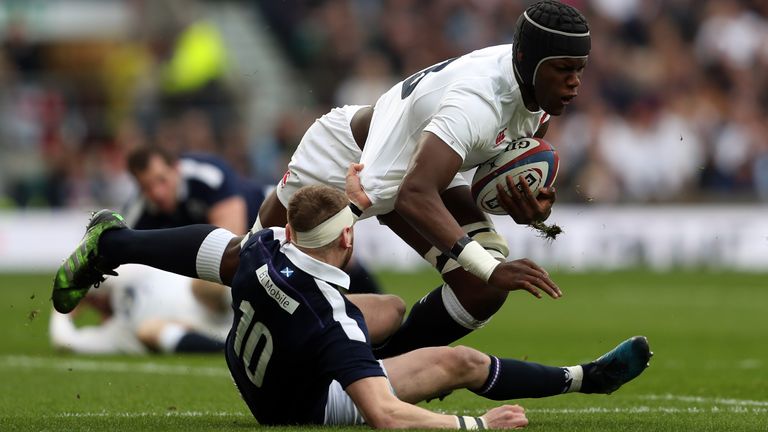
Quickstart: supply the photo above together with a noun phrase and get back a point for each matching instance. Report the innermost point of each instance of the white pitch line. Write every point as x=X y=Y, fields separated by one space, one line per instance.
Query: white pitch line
x=635 y=410
x=648 y=410
x=150 y=414
x=592 y=410
x=79 y=365
x=705 y=400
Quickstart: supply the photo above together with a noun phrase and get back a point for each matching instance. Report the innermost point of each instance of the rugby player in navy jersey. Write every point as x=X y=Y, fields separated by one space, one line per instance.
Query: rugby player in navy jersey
x=198 y=188
x=191 y=189
x=299 y=350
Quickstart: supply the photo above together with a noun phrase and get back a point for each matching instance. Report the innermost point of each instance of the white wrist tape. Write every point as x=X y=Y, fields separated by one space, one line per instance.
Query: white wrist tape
x=478 y=261
x=467 y=422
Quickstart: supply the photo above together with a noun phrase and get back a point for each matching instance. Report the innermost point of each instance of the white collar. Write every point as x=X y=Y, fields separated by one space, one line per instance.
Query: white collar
x=317 y=268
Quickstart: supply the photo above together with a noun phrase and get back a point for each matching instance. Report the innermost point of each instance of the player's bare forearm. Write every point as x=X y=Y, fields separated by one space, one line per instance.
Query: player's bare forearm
x=425 y=211
x=433 y=167
x=382 y=410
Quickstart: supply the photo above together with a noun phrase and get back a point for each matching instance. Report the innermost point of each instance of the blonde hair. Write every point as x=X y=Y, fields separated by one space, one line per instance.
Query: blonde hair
x=312 y=205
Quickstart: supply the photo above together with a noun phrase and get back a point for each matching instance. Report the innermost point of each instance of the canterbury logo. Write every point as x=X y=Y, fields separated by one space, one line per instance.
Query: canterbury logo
x=500 y=137
x=284 y=180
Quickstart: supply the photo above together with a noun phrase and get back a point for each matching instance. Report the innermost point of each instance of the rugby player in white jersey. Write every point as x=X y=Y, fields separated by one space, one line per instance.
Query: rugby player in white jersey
x=417 y=139
x=413 y=143
x=144 y=310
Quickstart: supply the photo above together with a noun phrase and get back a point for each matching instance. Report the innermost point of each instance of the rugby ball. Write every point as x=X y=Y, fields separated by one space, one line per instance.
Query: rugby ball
x=532 y=158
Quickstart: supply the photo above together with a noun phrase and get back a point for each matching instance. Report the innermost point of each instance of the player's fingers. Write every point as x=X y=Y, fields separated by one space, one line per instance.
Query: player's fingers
x=514 y=192
x=535 y=287
x=547 y=194
x=543 y=284
x=525 y=190
x=354 y=168
x=530 y=287
x=509 y=204
x=533 y=265
x=517 y=408
x=541 y=278
x=513 y=201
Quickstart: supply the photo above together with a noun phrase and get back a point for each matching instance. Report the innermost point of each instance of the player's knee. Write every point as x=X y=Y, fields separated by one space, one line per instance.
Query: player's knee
x=463 y=364
x=148 y=332
x=393 y=308
x=396 y=306
x=469 y=363
x=469 y=301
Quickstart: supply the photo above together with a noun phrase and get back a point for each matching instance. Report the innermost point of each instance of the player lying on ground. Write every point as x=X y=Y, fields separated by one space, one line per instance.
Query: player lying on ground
x=144 y=310
x=299 y=350
x=447 y=118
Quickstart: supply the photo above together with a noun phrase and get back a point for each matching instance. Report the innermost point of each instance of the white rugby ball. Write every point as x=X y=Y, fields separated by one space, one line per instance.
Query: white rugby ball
x=532 y=158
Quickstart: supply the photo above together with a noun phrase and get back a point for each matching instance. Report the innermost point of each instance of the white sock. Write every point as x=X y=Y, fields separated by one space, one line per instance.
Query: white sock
x=574 y=374
x=170 y=336
x=210 y=253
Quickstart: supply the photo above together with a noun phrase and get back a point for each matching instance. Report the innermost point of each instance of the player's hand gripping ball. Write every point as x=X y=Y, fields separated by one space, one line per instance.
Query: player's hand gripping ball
x=533 y=159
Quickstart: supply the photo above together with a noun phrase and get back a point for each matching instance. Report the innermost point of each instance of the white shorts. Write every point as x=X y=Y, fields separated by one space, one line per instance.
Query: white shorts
x=340 y=410
x=324 y=155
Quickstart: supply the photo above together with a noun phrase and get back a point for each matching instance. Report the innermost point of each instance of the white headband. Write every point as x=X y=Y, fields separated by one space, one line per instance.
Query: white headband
x=327 y=231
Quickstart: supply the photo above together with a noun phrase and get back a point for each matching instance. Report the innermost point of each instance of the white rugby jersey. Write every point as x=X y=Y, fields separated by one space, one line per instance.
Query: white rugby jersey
x=473 y=103
x=138 y=294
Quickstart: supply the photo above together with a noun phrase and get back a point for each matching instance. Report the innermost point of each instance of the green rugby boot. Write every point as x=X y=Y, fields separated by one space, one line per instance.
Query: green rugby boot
x=84 y=267
x=618 y=366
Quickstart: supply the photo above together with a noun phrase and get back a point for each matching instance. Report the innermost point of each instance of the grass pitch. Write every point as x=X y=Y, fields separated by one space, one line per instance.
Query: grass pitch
x=709 y=332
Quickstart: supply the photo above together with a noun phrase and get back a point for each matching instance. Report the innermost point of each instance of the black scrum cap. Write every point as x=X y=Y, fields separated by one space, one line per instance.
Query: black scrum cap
x=548 y=29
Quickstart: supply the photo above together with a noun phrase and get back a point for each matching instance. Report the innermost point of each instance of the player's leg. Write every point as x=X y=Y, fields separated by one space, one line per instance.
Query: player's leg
x=216 y=298
x=436 y=371
x=169 y=336
x=198 y=251
x=110 y=337
x=463 y=303
x=383 y=314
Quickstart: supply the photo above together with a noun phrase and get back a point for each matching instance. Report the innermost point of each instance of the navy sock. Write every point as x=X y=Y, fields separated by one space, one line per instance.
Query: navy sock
x=173 y=249
x=428 y=324
x=198 y=343
x=515 y=379
x=587 y=386
x=360 y=280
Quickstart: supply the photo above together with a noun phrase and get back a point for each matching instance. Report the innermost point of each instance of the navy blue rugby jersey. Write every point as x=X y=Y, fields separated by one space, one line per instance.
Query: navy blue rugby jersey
x=205 y=181
x=293 y=332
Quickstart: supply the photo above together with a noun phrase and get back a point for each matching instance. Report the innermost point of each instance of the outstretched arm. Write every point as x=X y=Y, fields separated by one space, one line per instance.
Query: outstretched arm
x=382 y=410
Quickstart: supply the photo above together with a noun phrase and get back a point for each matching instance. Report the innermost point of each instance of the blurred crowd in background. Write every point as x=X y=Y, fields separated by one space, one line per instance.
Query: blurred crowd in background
x=673 y=105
